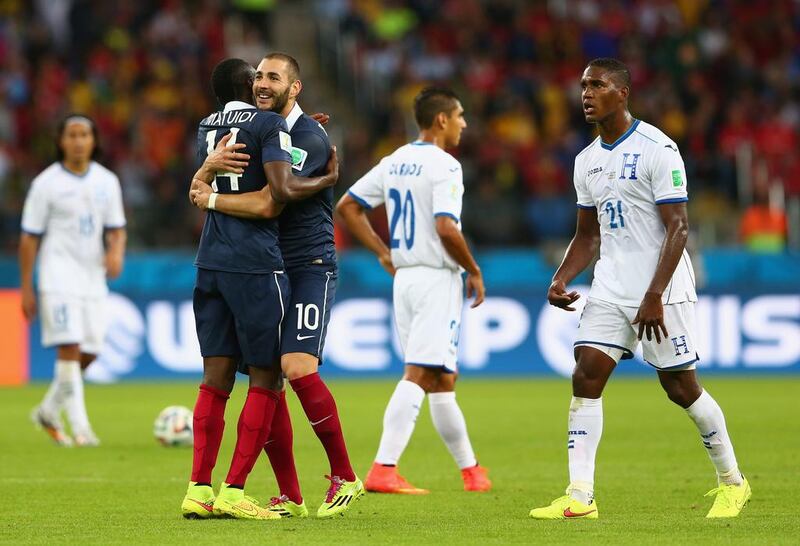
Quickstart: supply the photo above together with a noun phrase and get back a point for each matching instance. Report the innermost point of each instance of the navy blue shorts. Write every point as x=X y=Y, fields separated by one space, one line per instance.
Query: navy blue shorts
x=239 y=315
x=307 y=316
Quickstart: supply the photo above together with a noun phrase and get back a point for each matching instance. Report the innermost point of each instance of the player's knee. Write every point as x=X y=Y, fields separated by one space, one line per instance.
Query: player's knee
x=299 y=365
x=71 y=351
x=269 y=379
x=87 y=359
x=426 y=378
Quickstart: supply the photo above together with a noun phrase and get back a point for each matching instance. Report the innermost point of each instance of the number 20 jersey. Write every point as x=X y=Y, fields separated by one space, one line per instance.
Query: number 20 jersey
x=418 y=182
x=228 y=243
x=626 y=181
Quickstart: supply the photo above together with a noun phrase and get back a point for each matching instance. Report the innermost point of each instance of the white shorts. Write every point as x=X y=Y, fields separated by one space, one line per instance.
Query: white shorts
x=427 y=311
x=68 y=319
x=607 y=327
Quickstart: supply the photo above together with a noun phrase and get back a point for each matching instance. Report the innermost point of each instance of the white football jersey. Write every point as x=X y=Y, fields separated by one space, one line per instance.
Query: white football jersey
x=418 y=182
x=626 y=181
x=70 y=212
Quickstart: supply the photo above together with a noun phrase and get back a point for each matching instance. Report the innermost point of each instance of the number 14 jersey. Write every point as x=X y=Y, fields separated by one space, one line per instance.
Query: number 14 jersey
x=626 y=181
x=418 y=182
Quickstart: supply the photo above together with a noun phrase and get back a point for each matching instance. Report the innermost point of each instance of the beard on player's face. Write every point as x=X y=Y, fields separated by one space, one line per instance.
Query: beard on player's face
x=275 y=102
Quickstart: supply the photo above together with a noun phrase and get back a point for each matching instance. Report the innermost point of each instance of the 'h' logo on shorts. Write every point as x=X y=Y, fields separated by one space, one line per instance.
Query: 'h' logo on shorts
x=680 y=344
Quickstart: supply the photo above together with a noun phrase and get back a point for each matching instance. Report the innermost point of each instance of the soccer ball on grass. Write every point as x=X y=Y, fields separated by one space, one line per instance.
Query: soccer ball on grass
x=173 y=426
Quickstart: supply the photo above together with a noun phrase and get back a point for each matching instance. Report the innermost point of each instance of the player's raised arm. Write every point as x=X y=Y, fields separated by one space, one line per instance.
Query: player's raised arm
x=580 y=252
x=286 y=187
x=355 y=217
x=456 y=246
x=650 y=316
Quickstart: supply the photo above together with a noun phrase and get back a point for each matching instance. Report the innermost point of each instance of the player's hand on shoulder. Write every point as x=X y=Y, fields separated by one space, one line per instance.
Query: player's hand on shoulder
x=557 y=296
x=650 y=317
x=227 y=158
x=29 y=304
x=200 y=194
x=321 y=118
x=476 y=288
x=386 y=262
x=332 y=168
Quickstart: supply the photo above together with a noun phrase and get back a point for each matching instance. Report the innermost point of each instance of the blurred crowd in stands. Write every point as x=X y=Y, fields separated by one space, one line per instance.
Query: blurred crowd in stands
x=720 y=77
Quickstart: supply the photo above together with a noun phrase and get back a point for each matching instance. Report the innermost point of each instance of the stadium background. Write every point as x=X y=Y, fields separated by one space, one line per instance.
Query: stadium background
x=721 y=78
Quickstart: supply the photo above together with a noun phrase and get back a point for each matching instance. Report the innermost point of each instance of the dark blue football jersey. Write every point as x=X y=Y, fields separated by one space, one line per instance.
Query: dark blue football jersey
x=236 y=244
x=306 y=227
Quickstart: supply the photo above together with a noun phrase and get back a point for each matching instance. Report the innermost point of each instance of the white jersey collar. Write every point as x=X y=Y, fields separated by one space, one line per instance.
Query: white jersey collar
x=294 y=115
x=237 y=105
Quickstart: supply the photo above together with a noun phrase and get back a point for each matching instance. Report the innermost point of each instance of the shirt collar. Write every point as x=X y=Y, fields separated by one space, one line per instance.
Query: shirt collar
x=294 y=115
x=237 y=105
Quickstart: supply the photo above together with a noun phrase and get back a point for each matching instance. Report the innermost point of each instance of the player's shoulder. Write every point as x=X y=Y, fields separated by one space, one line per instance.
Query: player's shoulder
x=48 y=176
x=652 y=135
x=307 y=128
x=586 y=152
x=101 y=171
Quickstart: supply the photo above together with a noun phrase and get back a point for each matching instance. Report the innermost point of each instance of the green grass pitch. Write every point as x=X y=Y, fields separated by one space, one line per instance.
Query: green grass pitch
x=651 y=476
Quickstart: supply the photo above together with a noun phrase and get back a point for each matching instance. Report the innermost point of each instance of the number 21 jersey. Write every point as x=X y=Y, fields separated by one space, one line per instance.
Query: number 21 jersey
x=626 y=181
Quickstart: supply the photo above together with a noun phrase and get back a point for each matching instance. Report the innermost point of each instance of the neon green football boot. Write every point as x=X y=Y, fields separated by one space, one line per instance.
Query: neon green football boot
x=729 y=499
x=566 y=508
x=286 y=508
x=340 y=495
x=233 y=503
x=198 y=502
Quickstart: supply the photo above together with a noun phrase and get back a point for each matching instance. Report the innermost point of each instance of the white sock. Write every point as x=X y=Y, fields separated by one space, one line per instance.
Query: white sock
x=707 y=415
x=51 y=403
x=449 y=422
x=585 y=429
x=399 y=420
x=71 y=389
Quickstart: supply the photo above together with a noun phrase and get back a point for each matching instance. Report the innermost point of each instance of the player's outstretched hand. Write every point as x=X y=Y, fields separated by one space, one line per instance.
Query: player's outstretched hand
x=557 y=296
x=650 y=317
x=332 y=168
x=321 y=118
x=29 y=304
x=199 y=194
x=386 y=262
x=226 y=158
x=475 y=287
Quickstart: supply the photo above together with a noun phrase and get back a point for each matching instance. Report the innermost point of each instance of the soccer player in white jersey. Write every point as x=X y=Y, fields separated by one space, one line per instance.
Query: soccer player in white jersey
x=74 y=220
x=422 y=187
x=631 y=188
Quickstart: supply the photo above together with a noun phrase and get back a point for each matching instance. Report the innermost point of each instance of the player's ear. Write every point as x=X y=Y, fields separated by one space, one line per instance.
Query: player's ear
x=624 y=91
x=296 y=86
x=440 y=120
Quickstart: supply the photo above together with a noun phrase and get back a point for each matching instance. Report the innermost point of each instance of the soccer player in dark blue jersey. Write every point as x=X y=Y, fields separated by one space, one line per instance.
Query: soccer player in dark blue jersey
x=241 y=293
x=307 y=245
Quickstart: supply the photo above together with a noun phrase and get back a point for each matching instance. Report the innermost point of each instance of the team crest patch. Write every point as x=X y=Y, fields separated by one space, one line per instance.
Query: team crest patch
x=286 y=141
x=677 y=178
x=299 y=156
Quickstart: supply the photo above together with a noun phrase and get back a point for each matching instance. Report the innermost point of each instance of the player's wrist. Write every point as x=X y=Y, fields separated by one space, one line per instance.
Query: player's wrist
x=212 y=201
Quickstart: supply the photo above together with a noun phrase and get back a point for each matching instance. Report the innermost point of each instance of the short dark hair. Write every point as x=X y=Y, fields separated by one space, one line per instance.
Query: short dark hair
x=294 y=66
x=231 y=79
x=62 y=125
x=432 y=101
x=619 y=69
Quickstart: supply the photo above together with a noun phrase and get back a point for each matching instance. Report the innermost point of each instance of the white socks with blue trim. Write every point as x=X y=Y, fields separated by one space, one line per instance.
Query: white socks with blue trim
x=707 y=415
x=398 y=421
x=585 y=427
x=449 y=422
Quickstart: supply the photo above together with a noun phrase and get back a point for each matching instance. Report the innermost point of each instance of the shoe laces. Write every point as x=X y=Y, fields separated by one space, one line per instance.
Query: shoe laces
x=721 y=493
x=336 y=484
x=277 y=501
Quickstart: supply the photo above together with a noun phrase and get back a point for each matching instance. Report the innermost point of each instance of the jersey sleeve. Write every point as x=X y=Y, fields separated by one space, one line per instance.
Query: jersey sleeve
x=114 y=215
x=276 y=144
x=584 y=198
x=35 y=211
x=668 y=175
x=368 y=190
x=448 y=190
x=310 y=153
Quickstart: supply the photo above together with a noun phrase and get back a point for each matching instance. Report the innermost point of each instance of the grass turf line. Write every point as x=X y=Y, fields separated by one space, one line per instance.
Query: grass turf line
x=651 y=476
